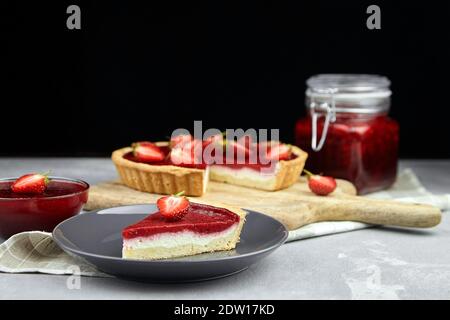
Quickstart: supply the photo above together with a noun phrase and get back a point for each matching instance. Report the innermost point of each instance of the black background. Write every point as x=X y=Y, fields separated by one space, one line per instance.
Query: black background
x=136 y=72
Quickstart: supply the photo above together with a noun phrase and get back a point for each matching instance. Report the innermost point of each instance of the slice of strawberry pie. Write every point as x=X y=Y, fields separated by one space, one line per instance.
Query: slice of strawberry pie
x=183 y=228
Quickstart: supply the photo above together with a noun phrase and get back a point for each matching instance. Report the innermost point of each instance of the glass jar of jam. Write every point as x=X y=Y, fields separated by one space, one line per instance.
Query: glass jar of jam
x=347 y=132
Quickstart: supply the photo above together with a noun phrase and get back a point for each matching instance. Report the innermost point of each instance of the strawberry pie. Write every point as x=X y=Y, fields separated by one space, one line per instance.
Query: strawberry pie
x=182 y=228
x=185 y=163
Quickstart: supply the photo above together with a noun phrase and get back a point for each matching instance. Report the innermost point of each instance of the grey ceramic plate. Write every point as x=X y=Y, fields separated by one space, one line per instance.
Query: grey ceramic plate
x=96 y=236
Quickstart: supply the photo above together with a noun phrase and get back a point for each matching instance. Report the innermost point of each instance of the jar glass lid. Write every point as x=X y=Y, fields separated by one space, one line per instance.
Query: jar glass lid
x=330 y=94
x=363 y=93
x=349 y=83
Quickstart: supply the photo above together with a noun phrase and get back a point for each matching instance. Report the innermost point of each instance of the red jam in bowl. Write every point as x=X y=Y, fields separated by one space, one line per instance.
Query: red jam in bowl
x=62 y=199
x=361 y=149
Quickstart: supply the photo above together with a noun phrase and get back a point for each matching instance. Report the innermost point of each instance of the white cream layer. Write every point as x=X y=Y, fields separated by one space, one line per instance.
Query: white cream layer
x=206 y=179
x=246 y=173
x=175 y=239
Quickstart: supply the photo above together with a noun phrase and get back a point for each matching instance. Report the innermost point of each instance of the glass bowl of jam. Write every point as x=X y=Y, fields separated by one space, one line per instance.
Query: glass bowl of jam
x=62 y=199
x=347 y=131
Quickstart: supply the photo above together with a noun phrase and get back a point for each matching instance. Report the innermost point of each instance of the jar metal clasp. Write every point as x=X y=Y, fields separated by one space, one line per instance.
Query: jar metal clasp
x=316 y=111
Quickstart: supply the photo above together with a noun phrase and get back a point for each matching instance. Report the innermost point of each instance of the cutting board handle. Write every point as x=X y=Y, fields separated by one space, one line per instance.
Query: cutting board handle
x=380 y=212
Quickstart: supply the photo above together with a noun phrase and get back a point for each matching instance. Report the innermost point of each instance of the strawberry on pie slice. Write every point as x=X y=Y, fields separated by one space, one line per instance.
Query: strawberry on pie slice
x=183 y=228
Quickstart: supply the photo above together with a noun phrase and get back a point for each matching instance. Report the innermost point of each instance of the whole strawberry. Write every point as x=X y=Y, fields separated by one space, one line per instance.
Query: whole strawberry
x=32 y=183
x=173 y=207
x=320 y=185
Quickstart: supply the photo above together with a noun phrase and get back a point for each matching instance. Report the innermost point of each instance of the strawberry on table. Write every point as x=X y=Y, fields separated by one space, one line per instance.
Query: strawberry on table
x=173 y=207
x=32 y=183
x=320 y=185
x=147 y=152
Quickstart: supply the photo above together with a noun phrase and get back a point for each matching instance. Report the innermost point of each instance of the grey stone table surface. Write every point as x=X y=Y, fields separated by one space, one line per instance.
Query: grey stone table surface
x=380 y=263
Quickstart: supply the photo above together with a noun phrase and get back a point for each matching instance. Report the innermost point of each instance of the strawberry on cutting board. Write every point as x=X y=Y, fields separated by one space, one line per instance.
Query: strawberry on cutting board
x=320 y=185
x=32 y=183
x=173 y=207
x=147 y=152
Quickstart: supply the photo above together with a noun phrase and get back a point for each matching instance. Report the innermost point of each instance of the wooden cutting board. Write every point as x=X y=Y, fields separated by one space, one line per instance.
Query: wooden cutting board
x=294 y=207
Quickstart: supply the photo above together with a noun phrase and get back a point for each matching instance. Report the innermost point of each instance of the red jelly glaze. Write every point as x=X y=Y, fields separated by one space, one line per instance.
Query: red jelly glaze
x=259 y=165
x=166 y=162
x=360 y=148
x=24 y=212
x=200 y=218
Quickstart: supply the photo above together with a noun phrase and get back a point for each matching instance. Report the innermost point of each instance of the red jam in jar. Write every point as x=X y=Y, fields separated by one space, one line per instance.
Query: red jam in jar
x=347 y=132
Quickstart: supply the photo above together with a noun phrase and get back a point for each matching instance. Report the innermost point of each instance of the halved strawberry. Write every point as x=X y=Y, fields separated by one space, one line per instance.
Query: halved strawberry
x=182 y=156
x=180 y=140
x=278 y=152
x=147 y=152
x=268 y=144
x=195 y=144
x=246 y=141
x=217 y=138
x=173 y=207
x=238 y=148
x=32 y=183
x=188 y=153
x=320 y=185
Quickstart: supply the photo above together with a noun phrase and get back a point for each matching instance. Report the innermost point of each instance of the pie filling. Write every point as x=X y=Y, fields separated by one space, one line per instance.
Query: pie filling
x=175 y=239
x=166 y=162
x=259 y=166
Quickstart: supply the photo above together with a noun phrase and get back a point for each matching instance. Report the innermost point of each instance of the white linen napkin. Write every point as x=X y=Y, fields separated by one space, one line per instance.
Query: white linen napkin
x=37 y=252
